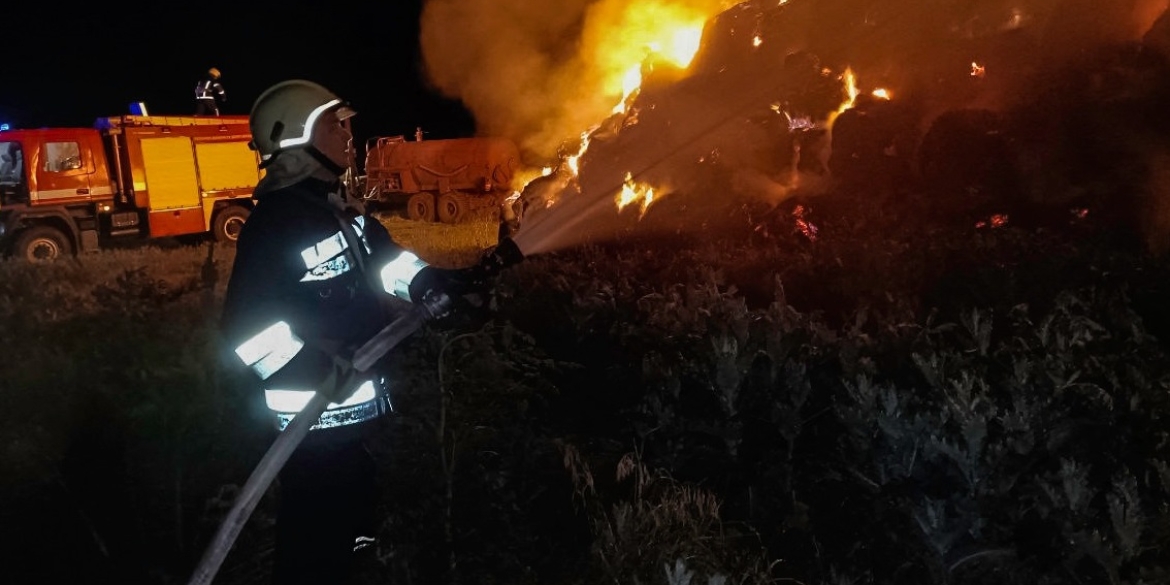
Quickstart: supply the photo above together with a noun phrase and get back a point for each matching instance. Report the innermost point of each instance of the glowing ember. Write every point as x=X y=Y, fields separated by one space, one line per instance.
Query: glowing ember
x=977 y=70
x=803 y=225
x=882 y=93
x=997 y=220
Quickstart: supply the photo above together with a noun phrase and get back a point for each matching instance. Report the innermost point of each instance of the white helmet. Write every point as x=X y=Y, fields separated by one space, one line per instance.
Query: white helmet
x=284 y=115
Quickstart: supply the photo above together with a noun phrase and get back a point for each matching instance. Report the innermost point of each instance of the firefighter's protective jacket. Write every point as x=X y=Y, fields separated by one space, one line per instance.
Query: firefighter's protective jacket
x=211 y=90
x=311 y=281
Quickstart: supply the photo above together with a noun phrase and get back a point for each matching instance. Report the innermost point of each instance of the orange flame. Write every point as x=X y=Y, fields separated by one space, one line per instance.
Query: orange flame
x=849 y=79
x=651 y=32
x=851 y=91
x=634 y=192
x=647 y=32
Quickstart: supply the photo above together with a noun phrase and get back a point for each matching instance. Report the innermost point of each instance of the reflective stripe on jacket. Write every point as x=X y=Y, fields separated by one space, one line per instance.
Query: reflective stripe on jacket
x=365 y=404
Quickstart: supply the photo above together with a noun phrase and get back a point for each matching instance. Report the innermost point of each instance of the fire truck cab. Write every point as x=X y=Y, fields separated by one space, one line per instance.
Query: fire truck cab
x=68 y=190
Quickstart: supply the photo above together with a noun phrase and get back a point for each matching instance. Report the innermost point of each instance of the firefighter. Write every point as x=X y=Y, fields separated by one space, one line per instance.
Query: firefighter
x=314 y=277
x=209 y=94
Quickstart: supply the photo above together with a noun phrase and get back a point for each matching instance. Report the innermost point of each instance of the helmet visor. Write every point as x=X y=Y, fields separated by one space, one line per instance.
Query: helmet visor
x=345 y=112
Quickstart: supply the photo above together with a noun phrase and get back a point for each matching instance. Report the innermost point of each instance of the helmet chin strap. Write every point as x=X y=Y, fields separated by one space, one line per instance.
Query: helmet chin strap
x=325 y=161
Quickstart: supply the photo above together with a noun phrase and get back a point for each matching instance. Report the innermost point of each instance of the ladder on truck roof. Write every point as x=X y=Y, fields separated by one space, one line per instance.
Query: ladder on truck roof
x=139 y=121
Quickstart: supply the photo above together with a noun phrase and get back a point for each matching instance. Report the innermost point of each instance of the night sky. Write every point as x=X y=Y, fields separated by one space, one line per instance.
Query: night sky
x=70 y=66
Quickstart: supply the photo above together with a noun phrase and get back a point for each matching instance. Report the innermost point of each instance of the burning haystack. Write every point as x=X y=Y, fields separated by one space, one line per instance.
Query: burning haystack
x=991 y=100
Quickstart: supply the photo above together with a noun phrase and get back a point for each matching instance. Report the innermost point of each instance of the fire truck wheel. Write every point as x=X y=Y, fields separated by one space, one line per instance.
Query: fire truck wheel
x=228 y=222
x=451 y=208
x=421 y=207
x=42 y=244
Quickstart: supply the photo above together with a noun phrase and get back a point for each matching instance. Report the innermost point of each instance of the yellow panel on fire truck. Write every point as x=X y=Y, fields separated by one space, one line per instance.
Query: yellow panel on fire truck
x=226 y=165
x=170 y=173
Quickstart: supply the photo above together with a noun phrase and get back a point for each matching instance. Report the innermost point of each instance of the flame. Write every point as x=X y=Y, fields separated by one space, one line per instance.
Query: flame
x=526 y=175
x=978 y=70
x=852 y=90
x=639 y=37
x=632 y=192
x=646 y=32
x=849 y=79
x=574 y=159
x=631 y=82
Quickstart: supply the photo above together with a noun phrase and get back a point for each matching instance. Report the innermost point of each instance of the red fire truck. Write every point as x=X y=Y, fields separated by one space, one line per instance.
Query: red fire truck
x=69 y=190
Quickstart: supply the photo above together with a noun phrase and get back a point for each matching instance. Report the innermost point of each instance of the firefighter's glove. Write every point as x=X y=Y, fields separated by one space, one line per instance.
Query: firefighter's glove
x=475 y=280
x=432 y=282
x=469 y=289
x=341 y=380
x=450 y=293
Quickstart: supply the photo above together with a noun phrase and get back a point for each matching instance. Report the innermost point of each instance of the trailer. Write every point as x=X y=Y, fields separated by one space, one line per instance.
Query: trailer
x=446 y=180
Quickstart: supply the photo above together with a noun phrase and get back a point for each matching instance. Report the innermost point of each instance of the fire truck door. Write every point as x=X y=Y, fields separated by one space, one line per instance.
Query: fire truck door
x=63 y=169
x=172 y=186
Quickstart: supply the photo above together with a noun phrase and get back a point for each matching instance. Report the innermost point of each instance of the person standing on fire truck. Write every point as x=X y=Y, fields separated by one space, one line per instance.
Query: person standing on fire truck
x=314 y=277
x=209 y=94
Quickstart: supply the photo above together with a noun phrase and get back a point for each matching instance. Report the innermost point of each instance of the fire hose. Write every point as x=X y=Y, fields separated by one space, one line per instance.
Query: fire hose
x=506 y=254
x=288 y=440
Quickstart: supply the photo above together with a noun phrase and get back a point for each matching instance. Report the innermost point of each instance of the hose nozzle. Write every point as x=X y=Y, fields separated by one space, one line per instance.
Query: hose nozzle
x=506 y=254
